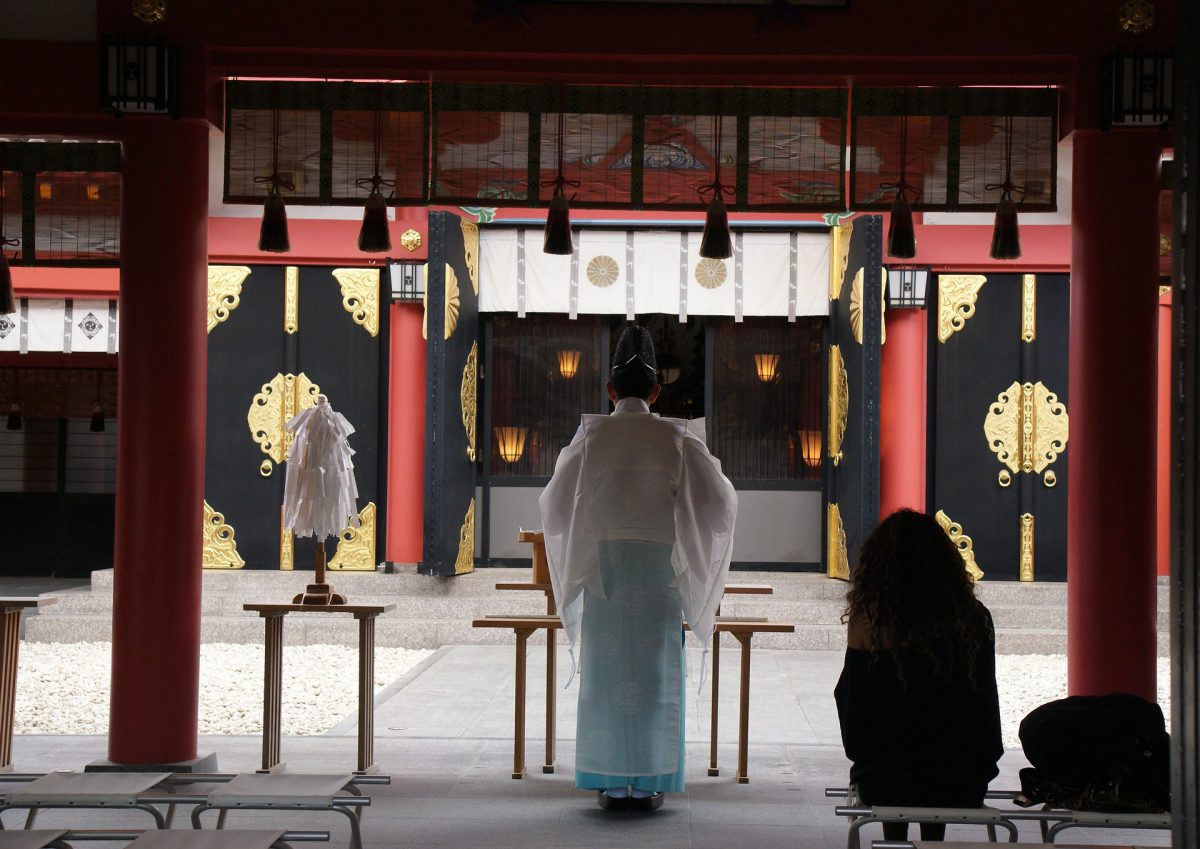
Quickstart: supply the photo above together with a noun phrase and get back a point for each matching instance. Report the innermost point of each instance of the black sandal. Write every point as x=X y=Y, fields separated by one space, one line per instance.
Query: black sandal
x=612 y=803
x=646 y=804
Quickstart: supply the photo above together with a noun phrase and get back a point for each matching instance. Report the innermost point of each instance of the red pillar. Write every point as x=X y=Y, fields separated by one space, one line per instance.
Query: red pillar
x=406 y=436
x=160 y=442
x=1111 y=525
x=902 y=413
x=1164 y=434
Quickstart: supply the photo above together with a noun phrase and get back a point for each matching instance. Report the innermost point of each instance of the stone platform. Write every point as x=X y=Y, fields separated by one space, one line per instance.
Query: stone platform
x=432 y=612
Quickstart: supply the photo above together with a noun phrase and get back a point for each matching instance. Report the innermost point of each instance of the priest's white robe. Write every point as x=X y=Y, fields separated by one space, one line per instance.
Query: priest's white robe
x=638 y=523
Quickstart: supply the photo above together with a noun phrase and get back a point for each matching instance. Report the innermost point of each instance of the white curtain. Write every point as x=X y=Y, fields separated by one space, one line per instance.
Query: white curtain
x=781 y=273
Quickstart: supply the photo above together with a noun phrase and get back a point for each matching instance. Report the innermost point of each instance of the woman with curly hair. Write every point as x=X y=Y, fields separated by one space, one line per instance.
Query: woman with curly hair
x=917 y=699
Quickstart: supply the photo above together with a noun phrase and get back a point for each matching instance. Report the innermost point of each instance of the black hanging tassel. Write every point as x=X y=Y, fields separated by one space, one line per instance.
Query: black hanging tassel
x=558 y=227
x=1006 y=238
x=14 y=416
x=716 y=242
x=901 y=241
x=273 y=235
x=8 y=298
x=374 y=236
x=97 y=425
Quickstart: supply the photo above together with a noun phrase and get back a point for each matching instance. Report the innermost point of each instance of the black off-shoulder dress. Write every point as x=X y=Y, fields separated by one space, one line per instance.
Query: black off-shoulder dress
x=930 y=741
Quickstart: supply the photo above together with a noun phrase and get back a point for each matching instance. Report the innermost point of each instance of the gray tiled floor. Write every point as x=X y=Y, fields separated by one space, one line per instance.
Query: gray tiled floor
x=444 y=735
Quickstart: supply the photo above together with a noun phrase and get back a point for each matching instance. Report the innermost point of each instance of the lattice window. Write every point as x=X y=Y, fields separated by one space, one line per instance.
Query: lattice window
x=955 y=146
x=63 y=201
x=326 y=139
x=531 y=394
x=767 y=420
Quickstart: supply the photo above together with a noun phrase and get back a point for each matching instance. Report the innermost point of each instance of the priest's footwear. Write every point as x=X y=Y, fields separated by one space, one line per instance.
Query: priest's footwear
x=612 y=803
x=646 y=803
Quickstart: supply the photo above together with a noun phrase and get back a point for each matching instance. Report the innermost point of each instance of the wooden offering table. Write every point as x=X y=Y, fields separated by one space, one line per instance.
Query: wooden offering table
x=524 y=626
x=272 y=614
x=10 y=649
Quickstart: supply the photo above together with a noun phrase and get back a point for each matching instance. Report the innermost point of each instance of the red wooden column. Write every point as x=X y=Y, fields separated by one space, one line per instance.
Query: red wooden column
x=902 y=412
x=1164 y=434
x=1111 y=522
x=406 y=436
x=160 y=442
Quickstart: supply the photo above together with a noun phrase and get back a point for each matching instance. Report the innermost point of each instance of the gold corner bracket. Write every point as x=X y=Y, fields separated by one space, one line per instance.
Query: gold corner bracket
x=465 y=562
x=360 y=296
x=964 y=544
x=224 y=291
x=470 y=233
x=837 y=563
x=957 y=294
x=356 y=546
x=220 y=548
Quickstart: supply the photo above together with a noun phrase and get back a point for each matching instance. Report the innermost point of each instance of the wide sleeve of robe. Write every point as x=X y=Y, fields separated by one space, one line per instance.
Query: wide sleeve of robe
x=705 y=513
x=570 y=539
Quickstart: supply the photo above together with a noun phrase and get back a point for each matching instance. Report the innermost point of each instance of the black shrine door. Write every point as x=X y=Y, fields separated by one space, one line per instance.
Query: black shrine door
x=998 y=421
x=857 y=286
x=451 y=381
x=277 y=337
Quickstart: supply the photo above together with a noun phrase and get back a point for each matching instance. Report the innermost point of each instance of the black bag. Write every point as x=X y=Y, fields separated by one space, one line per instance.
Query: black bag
x=1098 y=753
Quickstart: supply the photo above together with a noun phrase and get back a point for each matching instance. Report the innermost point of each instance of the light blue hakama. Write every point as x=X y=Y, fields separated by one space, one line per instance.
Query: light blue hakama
x=631 y=690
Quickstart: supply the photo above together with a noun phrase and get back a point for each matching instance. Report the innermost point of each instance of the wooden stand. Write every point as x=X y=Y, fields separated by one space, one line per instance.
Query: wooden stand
x=10 y=647
x=320 y=593
x=272 y=615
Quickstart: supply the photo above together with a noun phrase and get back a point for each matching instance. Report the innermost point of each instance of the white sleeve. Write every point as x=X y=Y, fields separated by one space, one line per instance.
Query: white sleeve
x=571 y=548
x=705 y=513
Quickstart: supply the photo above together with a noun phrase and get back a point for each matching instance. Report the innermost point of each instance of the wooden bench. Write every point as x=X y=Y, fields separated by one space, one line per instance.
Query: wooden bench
x=524 y=626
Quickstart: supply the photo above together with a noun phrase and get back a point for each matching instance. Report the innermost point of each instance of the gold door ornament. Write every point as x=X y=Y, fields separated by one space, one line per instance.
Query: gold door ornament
x=287 y=546
x=839 y=402
x=1029 y=307
x=465 y=562
x=1026 y=573
x=856 y=307
x=466 y=397
x=470 y=232
x=291 y=300
x=220 y=548
x=356 y=546
x=957 y=294
x=839 y=257
x=224 y=291
x=410 y=240
x=964 y=544
x=272 y=408
x=837 y=560
x=360 y=296
x=1027 y=427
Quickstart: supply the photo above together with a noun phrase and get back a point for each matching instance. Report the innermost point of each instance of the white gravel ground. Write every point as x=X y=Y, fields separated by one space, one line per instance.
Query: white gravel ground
x=1028 y=680
x=64 y=687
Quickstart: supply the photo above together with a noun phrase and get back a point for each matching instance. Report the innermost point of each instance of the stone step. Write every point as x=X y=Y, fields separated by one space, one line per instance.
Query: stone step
x=787 y=585
x=433 y=633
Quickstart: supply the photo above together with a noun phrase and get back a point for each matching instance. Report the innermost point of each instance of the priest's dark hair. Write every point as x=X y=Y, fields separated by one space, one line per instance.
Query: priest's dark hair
x=634 y=371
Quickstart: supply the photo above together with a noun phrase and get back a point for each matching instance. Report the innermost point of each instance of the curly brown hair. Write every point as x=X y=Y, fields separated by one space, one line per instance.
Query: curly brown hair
x=911 y=597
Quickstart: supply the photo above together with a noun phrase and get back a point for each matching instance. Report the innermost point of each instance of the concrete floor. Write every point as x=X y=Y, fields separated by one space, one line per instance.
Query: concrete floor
x=444 y=734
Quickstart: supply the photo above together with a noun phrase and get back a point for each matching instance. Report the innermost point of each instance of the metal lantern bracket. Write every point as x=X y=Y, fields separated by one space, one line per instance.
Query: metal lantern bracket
x=139 y=77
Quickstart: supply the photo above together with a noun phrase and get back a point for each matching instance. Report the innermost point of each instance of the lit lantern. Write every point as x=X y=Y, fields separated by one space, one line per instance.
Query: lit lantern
x=810 y=447
x=766 y=366
x=511 y=441
x=568 y=363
